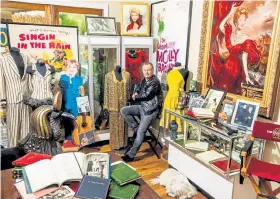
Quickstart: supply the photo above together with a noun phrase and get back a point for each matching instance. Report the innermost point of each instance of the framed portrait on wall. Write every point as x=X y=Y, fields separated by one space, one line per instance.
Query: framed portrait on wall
x=101 y=25
x=135 y=19
x=239 y=50
x=170 y=28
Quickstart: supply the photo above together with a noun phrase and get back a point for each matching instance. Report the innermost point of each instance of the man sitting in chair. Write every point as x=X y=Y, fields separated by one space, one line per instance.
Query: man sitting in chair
x=149 y=95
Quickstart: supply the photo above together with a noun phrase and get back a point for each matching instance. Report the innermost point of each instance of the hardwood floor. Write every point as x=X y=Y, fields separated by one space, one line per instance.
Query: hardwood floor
x=150 y=167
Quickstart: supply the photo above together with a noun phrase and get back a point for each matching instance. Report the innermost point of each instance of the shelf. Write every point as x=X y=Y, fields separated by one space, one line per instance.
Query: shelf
x=188 y=152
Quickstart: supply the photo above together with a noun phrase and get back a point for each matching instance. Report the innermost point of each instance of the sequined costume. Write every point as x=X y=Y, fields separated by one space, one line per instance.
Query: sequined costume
x=116 y=94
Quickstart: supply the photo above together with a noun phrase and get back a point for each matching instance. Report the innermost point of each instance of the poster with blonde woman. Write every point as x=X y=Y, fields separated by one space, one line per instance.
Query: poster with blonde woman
x=135 y=19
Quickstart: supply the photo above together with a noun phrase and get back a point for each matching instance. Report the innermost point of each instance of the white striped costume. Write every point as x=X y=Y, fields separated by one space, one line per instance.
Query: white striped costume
x=40 y=86
x=12 y=89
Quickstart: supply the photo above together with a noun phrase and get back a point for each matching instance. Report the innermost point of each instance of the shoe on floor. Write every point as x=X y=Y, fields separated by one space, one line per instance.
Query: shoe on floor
x=126 y=158
x=124 y=150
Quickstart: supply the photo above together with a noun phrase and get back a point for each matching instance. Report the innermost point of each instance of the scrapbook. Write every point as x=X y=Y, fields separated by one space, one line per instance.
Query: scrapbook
x=123 y=192
x=123 y=174
x=65 y=167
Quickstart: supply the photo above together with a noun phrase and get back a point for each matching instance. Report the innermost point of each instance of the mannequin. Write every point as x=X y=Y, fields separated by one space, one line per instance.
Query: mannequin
x=176 y=80
x=13 y=86
x=118 y=73
x=132 y=53
x=133 y=61
x=40 y=81
x=15 y=53
x=116 y=95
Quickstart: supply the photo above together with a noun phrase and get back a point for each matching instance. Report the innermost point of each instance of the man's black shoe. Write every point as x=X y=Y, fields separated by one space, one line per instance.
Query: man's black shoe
x=124 y=150
x=126 y=158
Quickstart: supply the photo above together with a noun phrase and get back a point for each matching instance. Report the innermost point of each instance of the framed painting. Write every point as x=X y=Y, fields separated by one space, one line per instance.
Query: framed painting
x=101 y=26
x=239 y=51
x=135 y=19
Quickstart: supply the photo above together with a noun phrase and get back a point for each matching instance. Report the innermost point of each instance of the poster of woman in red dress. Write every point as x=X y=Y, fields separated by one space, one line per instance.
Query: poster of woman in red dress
x=239 y=45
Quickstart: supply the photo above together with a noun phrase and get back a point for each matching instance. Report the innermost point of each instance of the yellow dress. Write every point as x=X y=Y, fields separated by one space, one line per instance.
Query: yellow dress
x=175 y=83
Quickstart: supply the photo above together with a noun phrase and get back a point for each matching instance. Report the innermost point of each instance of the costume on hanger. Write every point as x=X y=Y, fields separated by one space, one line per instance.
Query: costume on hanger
x=40 y=84
x=70 y=87
x=13 y=86
x=133 y=61
x=116 y=94
x=175 y=83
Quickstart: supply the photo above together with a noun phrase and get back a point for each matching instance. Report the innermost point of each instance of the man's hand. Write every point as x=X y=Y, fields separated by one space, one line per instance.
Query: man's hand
x=134 y=95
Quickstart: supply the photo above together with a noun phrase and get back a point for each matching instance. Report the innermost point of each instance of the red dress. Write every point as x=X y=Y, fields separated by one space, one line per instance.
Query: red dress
x=229 y=74
x=133 y=66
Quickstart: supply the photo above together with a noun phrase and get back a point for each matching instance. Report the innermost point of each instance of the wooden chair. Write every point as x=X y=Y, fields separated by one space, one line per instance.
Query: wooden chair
x=251 y=166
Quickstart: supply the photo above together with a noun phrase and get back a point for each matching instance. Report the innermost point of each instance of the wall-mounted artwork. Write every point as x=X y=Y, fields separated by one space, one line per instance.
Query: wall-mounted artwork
x=135 y=19
x=55 y=44
x=170 y=28
x=239 y=50
x=101 y=26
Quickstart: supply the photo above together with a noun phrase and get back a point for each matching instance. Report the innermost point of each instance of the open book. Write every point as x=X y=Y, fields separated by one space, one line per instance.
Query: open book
x=65 y=167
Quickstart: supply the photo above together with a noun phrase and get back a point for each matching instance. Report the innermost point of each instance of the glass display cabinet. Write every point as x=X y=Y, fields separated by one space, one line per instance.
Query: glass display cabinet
x=135 y=51
x=198 y=149
x=103 y=57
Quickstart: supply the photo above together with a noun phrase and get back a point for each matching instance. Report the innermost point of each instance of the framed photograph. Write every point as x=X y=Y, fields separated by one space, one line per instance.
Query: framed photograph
x=101 y=25
x=245 y=113
x=213 y=99
x=135 y=19
x=239 y=50
x=195 y=102
x=228 y=110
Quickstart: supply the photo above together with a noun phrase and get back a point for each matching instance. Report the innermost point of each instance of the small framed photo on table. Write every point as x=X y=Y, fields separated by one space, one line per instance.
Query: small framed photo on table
x=135 y=19
x=213 y=99
x=245 y=113
x=101 y=26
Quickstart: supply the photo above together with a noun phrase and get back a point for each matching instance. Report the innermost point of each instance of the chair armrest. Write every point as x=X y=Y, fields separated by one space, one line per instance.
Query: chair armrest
x=244 y=154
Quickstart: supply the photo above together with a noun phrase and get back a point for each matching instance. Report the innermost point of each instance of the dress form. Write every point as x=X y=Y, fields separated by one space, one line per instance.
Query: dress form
x=15 y=53
x=118 y=73
x=184 y=72
x=41 y=68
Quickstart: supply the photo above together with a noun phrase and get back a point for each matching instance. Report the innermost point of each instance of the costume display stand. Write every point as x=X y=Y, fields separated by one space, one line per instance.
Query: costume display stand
x=135 y=51
x=13 y=86
x=103 y=56
x=116 y=95
x=40 y=81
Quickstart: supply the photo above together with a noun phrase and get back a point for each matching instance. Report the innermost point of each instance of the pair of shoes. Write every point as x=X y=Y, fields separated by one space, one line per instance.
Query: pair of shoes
x=126 y=158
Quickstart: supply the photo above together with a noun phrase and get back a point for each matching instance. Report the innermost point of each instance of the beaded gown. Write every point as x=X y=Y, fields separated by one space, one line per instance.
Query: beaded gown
x=116 y=94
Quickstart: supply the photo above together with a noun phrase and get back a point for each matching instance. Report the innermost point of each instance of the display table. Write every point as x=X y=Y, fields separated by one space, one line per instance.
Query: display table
x=219 y=184
x=8 y=191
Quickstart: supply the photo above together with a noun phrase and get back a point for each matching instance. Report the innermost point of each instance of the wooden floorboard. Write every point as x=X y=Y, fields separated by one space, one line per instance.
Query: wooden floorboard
x=150 y=167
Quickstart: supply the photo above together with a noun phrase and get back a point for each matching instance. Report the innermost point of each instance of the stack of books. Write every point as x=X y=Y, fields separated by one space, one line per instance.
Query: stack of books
x=202 y=113
x=120 y=186
x=77 y=175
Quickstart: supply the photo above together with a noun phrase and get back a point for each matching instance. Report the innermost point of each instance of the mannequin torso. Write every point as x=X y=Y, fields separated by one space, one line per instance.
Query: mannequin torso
x=15 y=53
x=118 y=73
x=41 y=68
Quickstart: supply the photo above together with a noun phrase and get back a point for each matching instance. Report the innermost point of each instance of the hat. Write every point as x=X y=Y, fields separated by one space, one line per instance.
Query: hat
x=177 y=64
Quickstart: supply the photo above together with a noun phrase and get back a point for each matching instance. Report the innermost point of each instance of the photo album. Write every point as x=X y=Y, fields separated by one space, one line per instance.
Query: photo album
x=66 y=167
